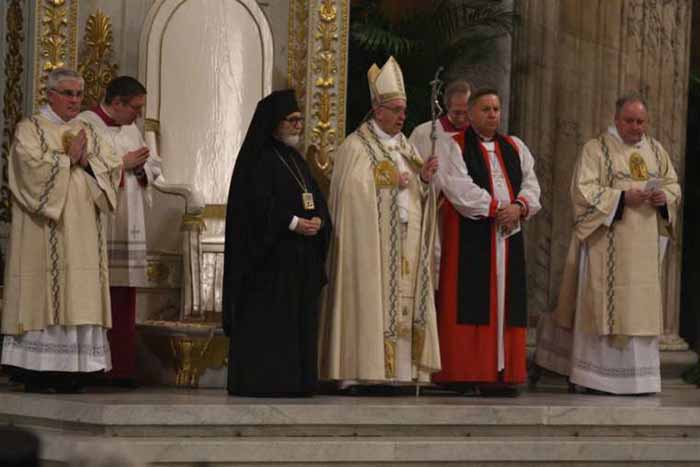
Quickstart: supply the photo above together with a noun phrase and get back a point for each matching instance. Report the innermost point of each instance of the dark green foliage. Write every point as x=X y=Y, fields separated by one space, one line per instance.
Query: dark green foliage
x=439 y=33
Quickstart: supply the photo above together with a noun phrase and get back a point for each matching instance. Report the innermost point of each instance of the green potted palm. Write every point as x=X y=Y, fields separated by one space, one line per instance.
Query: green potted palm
x=422 y=36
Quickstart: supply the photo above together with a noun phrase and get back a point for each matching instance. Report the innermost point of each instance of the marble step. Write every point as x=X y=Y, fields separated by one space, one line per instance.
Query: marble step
x=58 y=448
x=208 y=413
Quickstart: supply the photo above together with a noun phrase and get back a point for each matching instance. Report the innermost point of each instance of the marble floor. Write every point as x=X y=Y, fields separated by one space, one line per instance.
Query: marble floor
x=206 y=427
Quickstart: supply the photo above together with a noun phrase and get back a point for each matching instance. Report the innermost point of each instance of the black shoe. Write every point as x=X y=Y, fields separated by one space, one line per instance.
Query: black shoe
x=597 y=392
x=499 y=391
x=372 y=390
x=127 y=383
x=37 y=388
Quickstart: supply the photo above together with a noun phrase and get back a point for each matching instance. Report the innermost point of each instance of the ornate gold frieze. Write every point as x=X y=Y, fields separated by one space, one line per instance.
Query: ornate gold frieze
x=298 y=48
x=151 y=124
x=187 y=348
x=214 y=211
x=13 y=96
x=95 y=63
x=56 y=43
x=157 y=272
x=324 y=67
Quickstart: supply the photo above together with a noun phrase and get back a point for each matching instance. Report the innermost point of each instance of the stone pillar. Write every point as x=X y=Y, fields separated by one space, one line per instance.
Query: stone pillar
x=571 y=61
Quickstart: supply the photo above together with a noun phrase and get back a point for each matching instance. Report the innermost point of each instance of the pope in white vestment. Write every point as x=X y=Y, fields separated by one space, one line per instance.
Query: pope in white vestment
x=63 y=177
x=378 y=320
x=625 y=193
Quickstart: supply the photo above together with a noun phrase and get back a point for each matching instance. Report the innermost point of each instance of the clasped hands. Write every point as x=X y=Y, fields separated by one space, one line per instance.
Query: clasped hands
x=77 y=151
x=308 y=227
x=135 y=159
x=507 y=217
x=636 y=197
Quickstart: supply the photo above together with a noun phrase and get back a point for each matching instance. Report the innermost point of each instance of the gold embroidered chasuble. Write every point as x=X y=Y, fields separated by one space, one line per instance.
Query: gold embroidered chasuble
x=56 y=271
x=623 y=259
x=378 y=311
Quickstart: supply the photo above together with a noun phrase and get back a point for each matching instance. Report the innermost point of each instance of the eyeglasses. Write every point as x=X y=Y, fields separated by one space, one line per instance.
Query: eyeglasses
x=68 y=92
x=396 y=110
x=294 y=120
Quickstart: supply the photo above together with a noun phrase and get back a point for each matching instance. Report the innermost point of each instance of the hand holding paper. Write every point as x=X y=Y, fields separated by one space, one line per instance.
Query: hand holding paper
x=653 y=184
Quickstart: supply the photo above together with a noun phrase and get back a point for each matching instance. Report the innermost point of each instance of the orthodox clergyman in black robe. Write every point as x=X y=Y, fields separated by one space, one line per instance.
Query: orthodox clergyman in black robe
x=277 y=232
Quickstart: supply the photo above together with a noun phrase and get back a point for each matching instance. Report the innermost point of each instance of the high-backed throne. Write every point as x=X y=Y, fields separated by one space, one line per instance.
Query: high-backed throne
x=205 y=64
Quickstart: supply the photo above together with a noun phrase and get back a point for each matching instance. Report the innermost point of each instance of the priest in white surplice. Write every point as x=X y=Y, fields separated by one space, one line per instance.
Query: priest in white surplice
x=453 y=121
x=625 y=194
x=56 y=308
x=490 y=189
x=378 y=316
x=114 y=120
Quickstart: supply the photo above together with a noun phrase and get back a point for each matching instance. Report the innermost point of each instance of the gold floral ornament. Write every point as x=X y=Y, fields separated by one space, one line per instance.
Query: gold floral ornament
x=95 y=66
x=324 y=67
x=638 y=167
x=13 y=96
x=298 y=48
x=56 y=30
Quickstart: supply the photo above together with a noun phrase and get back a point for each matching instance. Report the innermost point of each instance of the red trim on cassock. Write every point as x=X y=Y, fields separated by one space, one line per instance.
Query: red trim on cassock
x=109 y=121
x=122 y=336
x=493 y=207
x=448 y=126
x=469 y=353
x=525 y=204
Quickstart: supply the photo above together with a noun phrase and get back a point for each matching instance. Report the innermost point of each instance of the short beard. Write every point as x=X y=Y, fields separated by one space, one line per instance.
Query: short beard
x=291 y=140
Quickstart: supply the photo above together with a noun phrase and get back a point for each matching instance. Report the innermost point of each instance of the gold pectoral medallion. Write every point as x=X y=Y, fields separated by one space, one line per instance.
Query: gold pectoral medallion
x=66 y=140
x=307 y=200
x=638 y=167
x=386 y=175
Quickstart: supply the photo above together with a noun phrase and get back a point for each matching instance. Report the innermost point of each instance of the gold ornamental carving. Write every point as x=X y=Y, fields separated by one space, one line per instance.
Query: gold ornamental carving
x=157 y=272
x=56 y=40
x=324 y=67
x=95 y=65
x=298 y=48
x=12 y=97
x=187 y=348
x=151 y=125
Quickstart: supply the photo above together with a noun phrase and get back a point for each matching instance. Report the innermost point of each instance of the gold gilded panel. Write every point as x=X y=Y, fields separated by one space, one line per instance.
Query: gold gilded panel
x=327 y=83
x=13 y=95
x=56 y=41
x=95 y=65
x=298 y=48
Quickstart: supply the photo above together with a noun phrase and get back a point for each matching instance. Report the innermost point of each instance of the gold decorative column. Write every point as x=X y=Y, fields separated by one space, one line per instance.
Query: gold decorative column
x=325 y=86
x=298 y=48
x=95 y=65
x=13 y=95
x=56 y=41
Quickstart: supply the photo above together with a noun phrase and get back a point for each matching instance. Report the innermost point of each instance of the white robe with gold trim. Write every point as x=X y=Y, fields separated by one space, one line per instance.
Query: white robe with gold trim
x=604 y=330
x=378 y=314
x=56 y=306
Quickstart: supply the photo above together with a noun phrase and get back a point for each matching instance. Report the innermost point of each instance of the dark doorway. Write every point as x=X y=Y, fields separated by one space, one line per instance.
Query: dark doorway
x=690 y=285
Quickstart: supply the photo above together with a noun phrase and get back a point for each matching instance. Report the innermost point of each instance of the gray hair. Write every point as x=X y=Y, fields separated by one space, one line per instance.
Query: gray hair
x=63 y=74
x=456 y=87
x=627 y=98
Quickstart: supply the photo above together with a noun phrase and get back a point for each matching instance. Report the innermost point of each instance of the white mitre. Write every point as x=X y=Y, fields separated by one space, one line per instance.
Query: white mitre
x=386 y=84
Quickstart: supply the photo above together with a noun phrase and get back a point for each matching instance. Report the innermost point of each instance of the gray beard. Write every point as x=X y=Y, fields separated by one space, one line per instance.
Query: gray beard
x=291 y=140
